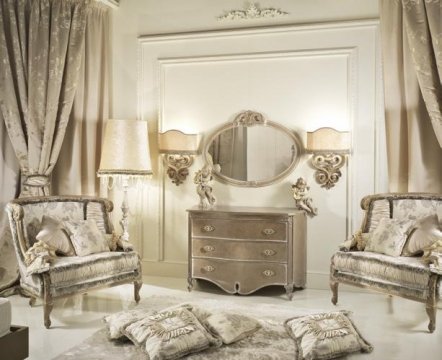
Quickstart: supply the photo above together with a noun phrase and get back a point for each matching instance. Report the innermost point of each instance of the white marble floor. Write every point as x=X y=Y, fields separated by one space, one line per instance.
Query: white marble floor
x=397 y=328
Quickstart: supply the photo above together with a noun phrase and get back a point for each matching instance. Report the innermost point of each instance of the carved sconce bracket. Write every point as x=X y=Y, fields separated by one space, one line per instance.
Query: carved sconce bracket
x=328 y=167
x=178 y=167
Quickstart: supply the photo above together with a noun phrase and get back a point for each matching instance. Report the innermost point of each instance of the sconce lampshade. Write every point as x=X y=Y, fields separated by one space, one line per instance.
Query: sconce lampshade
x=177 y=142
x=327 y=139
x=125 y=149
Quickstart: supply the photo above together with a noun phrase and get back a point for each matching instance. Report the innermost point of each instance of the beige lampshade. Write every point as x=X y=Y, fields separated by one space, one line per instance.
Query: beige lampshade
x=327 y=139
x=177 y=142
x=125 y=149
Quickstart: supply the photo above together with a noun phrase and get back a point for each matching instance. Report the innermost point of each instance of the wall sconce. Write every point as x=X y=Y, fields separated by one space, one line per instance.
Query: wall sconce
x=329 y=147
x=178 y=149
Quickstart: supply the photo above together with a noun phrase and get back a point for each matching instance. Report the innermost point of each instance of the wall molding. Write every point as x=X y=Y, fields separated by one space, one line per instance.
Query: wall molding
x=159 y=52
x=253 y=12
x=162 y=64
x=275 y=29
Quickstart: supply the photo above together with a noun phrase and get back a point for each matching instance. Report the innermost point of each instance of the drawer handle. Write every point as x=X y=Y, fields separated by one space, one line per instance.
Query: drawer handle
x=208 y=268
x=208 y=248
x=208 y=228
x=268 y=231
x=269 y=252
x=268 y=273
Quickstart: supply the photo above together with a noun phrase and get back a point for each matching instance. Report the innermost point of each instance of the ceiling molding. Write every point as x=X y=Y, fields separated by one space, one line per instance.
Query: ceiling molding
x=251 y=13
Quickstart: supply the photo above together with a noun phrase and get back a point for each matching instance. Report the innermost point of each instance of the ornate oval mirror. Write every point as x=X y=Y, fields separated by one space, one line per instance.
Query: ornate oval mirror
x=252 y=151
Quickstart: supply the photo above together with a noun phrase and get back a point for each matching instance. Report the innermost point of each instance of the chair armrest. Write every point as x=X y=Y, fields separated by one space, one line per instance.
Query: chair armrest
x=15 y=214
x=434 y=260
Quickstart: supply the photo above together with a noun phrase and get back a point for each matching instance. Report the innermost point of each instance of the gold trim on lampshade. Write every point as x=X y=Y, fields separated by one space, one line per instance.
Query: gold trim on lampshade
x=327 y=139
x=125 y=149
x=177 y=142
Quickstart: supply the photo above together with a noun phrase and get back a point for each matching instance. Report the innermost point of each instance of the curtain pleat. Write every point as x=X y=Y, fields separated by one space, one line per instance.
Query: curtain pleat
x=422 y=19
x=9 y=188
x=41 y=42
x=413 y=151
x=79 y=159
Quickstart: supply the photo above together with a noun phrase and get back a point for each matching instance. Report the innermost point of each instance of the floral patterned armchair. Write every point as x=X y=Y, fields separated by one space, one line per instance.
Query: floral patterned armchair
x=410 y=277
x=69 y=275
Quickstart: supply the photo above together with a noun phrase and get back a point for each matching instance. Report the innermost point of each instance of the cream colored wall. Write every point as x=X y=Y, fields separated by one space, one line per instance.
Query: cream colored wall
x=342 y=66
x=146 y=17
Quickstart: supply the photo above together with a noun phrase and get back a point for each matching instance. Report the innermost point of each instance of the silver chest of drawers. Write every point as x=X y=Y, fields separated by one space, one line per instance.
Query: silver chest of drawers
x=242 y=249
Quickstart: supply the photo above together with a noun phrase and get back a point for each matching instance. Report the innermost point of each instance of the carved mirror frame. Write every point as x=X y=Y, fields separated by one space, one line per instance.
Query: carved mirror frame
x=249 y=119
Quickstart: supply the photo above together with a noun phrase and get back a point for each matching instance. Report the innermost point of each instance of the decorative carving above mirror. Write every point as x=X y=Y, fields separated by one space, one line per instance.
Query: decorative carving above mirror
x=252 y=151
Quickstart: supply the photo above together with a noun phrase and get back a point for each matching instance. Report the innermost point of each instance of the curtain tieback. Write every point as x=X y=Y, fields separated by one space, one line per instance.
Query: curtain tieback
x=37 y=181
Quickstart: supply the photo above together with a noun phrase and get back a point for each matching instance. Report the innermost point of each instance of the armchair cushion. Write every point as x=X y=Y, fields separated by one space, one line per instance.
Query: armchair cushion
x=86 y=237
x=70 y=271
x=367 y=267
x=389 y=236
x=33 y=214
x=53 y=234
x=426 y=232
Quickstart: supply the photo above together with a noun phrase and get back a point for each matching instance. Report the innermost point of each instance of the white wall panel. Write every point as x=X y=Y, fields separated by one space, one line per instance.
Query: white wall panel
x=303 y=77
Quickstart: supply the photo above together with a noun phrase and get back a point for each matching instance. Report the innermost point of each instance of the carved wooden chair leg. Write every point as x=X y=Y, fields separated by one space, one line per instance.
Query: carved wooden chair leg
x=137 y=287
x=334 y=288
x=47 y=300
x=32 y=301
x=47 y=308
x=431 y=305
x=431 y=311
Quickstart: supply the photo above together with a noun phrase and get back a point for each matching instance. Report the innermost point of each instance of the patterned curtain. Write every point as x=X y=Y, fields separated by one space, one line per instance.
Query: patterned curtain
x=423 y=24
x=41 y=43
x=411 y=51
x=9 y=187
x=79 y=159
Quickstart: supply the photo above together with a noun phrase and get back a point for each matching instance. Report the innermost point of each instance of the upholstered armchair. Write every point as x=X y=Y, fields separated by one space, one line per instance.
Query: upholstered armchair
x=69 y=275
x=411 y=277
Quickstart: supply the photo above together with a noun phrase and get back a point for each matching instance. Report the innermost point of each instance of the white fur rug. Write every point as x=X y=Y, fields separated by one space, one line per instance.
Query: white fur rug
x=270 y=342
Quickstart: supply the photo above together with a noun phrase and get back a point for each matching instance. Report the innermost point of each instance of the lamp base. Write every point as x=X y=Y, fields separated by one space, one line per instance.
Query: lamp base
x=124 y=222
